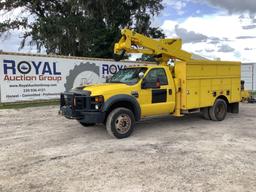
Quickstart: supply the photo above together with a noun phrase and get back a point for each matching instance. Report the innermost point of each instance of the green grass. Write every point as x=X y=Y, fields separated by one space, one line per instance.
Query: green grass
x=20 y=105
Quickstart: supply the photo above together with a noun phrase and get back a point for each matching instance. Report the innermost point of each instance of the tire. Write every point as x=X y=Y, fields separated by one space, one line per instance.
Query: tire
x=87 y=124
x=120 y=123
x=218 y=111
x=205 y=113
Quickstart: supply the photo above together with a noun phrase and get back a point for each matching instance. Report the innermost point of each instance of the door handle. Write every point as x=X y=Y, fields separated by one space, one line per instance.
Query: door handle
x=170 y=91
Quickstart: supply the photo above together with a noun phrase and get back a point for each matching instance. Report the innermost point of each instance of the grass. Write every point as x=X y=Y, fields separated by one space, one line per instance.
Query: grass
x=20 y=105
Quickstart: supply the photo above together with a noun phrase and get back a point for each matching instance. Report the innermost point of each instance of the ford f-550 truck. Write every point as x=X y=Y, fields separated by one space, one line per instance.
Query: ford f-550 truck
x=209 y=87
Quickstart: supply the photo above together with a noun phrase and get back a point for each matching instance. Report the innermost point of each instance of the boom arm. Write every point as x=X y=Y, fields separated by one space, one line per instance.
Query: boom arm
x=163 y=49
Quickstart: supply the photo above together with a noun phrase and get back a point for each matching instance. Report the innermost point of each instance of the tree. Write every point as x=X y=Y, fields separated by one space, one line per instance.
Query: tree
x=80 y=27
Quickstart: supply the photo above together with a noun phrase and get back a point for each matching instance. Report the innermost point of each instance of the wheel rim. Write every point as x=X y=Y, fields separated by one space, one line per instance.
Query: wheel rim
x=220 y=110
x=123 y=123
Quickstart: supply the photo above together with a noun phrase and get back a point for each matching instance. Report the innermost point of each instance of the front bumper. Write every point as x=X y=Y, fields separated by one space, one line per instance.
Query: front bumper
x=83 y=116
x=93 y=117
x=81 y=107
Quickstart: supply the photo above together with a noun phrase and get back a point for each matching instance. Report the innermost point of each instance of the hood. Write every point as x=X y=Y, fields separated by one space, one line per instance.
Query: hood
x=99 y=89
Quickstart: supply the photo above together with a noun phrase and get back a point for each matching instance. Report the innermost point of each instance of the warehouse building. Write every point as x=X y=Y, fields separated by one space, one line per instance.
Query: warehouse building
x=249 y=75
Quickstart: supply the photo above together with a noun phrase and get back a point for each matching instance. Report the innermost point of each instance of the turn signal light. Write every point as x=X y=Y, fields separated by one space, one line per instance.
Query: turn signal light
x=99 y=99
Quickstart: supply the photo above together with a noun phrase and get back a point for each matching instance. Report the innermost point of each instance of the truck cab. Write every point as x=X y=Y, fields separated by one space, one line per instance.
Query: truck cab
x=129 y=95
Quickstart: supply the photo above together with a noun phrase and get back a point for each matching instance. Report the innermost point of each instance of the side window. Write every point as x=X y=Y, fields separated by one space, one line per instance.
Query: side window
x=155 y=74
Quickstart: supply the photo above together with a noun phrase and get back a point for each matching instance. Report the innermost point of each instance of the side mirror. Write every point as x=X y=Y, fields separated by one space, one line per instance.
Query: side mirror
x=141 y=75
x=153 y=85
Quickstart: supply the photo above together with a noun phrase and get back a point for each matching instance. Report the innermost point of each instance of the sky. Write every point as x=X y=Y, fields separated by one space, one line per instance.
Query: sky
x=215 y=29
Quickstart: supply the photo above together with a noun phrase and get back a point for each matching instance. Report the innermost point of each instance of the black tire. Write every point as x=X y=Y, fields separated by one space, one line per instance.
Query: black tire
x=87 y=124
x=120 y=123
x=205 y=113
x=218 y=111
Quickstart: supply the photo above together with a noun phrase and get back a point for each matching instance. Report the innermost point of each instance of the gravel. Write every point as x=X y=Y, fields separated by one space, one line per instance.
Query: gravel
x=42 y=151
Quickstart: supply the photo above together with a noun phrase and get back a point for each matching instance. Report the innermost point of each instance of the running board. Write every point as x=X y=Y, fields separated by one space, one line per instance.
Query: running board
x=190 y=111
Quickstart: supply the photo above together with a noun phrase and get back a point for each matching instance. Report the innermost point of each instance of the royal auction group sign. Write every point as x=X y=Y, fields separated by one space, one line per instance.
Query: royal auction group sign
x=26 y=77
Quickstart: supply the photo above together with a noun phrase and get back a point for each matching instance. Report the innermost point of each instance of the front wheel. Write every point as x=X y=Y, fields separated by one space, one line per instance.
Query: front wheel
x=218 y=111
x=120 y=123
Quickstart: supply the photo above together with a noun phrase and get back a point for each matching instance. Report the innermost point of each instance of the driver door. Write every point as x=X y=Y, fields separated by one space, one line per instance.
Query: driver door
x=155 y=99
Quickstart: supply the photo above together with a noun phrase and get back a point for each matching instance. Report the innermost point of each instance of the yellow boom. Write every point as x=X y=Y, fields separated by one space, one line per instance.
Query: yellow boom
x=163 y=49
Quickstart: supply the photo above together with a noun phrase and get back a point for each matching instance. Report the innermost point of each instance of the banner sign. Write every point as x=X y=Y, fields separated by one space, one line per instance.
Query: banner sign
x=28 y=77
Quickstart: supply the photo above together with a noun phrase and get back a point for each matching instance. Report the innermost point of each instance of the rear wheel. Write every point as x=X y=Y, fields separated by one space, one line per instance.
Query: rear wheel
x=120 y=123
x=218 y=111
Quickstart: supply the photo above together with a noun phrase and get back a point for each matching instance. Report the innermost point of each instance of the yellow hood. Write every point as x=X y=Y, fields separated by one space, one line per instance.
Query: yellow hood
x=106 y=88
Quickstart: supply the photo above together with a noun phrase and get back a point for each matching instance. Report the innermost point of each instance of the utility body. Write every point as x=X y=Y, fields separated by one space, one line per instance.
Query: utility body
x=188 y=86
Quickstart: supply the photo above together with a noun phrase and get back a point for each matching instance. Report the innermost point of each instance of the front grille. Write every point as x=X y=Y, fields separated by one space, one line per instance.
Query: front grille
x=76 y=101
x=68 y=100
x=81 y=102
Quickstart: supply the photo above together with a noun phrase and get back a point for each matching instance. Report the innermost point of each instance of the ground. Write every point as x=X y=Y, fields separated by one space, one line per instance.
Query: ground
x=42 y=151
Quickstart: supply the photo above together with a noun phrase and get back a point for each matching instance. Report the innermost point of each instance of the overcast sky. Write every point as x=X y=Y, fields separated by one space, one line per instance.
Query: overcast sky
x=223 y=29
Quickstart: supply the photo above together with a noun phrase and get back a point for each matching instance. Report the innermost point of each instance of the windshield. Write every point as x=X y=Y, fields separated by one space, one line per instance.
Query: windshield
x=127 y=75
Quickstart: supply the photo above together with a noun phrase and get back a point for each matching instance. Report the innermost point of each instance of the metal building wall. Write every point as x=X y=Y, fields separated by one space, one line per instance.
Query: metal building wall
x=248 y=74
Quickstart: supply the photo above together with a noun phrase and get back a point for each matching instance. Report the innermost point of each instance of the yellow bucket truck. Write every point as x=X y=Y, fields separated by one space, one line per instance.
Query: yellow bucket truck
x=209 y=87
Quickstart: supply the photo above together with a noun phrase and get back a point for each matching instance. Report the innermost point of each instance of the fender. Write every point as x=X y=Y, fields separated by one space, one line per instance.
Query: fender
x=126 y=98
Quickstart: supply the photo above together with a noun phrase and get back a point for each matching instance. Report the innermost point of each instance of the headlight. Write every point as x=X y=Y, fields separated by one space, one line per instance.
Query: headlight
x=97 y=102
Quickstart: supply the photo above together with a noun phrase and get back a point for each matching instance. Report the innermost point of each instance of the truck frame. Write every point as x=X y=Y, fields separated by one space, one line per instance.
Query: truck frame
x=209 y=87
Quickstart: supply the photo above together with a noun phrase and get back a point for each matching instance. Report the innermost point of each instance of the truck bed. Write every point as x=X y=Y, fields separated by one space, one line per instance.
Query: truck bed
x=202 y=81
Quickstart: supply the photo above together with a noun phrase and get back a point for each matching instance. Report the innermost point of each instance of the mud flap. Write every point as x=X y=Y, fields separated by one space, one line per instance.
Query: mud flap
x=234 y=107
